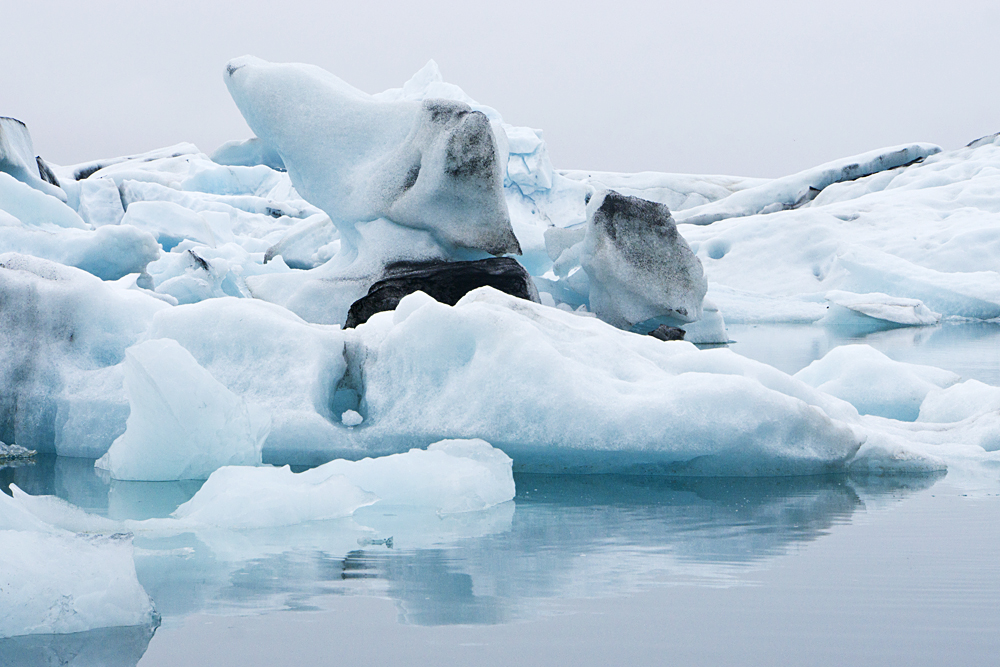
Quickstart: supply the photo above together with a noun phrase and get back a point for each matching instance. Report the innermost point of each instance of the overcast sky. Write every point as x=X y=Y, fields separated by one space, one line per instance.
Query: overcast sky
x=756 y=89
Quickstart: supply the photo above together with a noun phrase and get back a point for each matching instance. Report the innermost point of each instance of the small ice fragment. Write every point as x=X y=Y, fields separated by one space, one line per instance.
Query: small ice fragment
x=15 y=452
x=351 y=418
x=367 y=542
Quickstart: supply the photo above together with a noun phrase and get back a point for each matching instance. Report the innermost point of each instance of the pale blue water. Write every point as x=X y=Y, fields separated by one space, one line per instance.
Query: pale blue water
x=583 y=570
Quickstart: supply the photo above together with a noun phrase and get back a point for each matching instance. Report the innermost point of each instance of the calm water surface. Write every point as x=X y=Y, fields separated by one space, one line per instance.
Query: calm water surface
x=582 y=570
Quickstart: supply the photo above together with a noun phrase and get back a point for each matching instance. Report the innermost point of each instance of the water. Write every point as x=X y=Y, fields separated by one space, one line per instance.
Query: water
x=582 y=569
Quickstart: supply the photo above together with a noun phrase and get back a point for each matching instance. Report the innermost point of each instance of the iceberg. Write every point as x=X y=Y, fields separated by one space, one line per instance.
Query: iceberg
x=432 y=166
x=183 y=424
x=563 y=393
x=874 y=383
x=638 y=266
x=54 y=582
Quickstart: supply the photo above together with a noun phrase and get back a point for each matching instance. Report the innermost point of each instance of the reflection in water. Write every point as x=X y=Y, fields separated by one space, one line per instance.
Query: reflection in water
x=107 y=647
x=562 y=537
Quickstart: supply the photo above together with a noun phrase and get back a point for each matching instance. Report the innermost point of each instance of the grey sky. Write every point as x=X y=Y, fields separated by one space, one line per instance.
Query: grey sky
x=758 y=89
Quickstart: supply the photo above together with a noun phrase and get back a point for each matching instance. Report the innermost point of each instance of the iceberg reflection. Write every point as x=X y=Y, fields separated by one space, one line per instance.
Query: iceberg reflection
x=106 y=647
x=562 y=537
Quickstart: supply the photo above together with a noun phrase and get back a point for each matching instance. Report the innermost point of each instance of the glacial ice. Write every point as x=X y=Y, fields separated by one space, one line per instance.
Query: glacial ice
x=229 y=259
x=62 y=333
x=53 y=581
x=558 y=392
x=874 y=383
x=183 y=423
x=432 y=166
x=17 y=158
x=637 y=264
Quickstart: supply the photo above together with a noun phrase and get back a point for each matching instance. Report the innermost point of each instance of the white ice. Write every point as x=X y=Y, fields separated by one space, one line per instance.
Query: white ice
x=55 y=581
x=183 y=423
x=874 y=383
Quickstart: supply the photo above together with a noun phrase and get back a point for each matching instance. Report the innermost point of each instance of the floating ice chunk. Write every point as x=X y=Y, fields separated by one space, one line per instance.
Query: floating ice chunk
x=959 y=402
x=431 y=166
x=15 y=452
x=35 y=208
x=638 y=265
x=56 y=583
x=244 y=497
x=909 y=312
x=874 y=383
x=450 y=476
x=886 y=454
x=183 y=423
x=797 y=189
x=570 y=393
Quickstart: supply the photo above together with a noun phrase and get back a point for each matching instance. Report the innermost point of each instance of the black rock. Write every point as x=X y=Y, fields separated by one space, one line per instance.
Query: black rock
x=663 y=332
x=446 y=282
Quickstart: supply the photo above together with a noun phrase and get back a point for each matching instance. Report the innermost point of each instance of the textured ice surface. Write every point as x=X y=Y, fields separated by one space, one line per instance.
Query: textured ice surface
x=560 y=392
x=54 y=581
x=270 y=358
x=874 y=383
x=926 y=232
x=62 y=333
x=638 y=266
x=431 y=166
x=183 y=424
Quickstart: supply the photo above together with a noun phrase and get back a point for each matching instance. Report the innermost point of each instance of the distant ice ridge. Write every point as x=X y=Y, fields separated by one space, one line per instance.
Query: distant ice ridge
x=924 y=235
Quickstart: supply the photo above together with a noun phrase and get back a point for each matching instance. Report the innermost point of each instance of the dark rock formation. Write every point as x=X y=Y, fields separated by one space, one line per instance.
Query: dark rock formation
x=663 y=332
x=446 y=282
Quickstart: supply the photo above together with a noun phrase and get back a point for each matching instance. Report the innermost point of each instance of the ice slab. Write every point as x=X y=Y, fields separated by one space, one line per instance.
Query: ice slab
x=797 y=189
x=874 y=383
x=54 y=582
x=271 y=359
x=183 y=423
x=895 y=310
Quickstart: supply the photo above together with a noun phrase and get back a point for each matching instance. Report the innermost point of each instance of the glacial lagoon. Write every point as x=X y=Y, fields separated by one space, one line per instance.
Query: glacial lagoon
x=586 y=569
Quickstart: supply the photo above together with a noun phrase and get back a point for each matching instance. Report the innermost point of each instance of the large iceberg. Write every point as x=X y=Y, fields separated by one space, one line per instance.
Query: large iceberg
x=559 y=392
